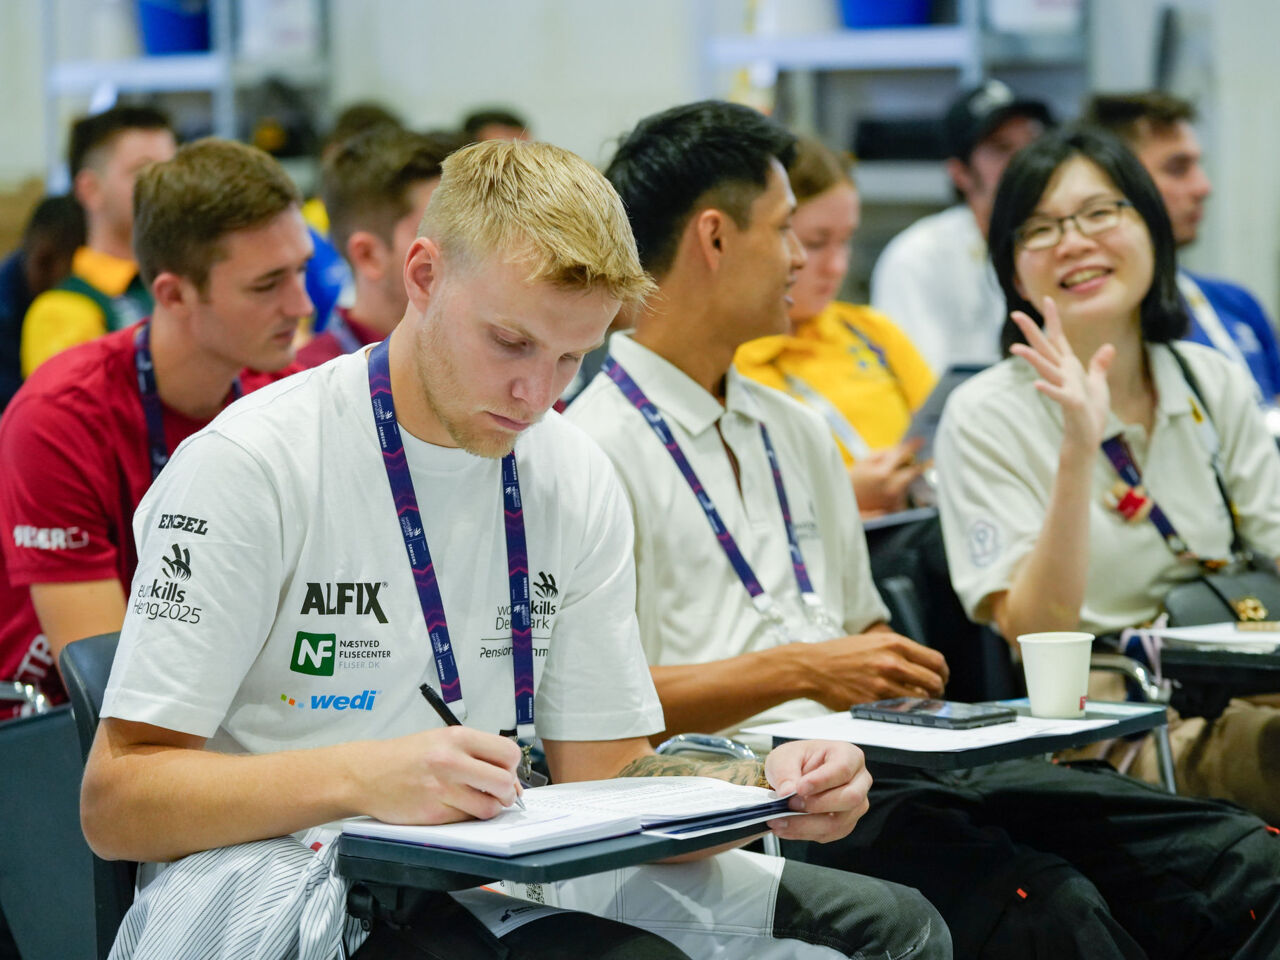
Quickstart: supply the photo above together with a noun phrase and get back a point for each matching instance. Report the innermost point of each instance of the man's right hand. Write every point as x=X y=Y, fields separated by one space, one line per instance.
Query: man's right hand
x=876 y=665
x=437 y=776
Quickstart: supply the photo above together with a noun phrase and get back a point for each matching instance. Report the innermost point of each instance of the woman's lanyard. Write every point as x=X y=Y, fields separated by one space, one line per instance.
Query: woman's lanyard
x=152 y=408
x=342 y=332
x=1133 y=505
x=814 y=609
x=840 y=425
x=424 y=575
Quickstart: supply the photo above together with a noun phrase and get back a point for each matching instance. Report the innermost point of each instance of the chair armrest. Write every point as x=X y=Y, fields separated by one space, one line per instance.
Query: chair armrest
x=1131 y=669
x=706 y=743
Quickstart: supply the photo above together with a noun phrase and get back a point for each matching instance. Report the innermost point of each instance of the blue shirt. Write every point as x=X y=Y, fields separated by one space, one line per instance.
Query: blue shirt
x=1247 y=323
x=14 y=300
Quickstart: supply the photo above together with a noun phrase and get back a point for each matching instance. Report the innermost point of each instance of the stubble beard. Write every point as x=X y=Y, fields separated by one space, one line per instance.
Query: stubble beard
x=440 y=381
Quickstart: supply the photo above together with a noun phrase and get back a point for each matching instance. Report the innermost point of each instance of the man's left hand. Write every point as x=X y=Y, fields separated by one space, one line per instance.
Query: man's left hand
x=831 y=783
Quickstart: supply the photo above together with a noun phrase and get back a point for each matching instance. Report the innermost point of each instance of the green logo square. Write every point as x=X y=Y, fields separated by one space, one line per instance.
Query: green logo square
x=314 y=653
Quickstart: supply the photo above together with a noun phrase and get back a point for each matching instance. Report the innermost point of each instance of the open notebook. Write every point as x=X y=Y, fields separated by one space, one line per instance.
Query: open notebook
x=568 y=813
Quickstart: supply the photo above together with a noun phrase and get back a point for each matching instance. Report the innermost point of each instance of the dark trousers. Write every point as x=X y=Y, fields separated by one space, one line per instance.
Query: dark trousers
x=1028 y=859
x=443 y=930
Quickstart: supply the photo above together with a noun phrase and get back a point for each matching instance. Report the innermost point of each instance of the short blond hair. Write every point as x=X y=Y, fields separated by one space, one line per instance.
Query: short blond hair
x=538 y=204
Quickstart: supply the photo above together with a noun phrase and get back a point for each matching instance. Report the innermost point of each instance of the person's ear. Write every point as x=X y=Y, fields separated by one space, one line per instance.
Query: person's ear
x=367 y=255
x=960 y=174
x=708 y=231
x=172 y=293
x=423 y=272
x=87 y=188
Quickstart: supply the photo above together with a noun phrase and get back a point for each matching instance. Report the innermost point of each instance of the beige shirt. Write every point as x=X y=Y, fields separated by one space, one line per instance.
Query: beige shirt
x=935 y=282
x=692 y=606
x=997 y=454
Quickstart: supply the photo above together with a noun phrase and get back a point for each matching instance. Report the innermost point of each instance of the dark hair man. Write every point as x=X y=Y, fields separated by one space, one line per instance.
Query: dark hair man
x=221 y=246
x=375 y=188
x=494 y=123
x=933 y=279
x=769 y=612
x=1158 y=129
x=104 y=291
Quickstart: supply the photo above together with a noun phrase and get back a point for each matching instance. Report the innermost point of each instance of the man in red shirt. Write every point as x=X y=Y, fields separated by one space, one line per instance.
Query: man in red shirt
x=375 y=188
x=222 y=247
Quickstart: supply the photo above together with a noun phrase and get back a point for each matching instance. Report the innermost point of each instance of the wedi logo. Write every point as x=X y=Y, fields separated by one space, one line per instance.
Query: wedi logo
x=178 y=566
x=329 y=701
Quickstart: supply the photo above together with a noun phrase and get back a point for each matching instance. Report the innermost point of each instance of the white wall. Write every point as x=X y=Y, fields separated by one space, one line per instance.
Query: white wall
x=1228 y=68
x=21 y=86
x=582 y=71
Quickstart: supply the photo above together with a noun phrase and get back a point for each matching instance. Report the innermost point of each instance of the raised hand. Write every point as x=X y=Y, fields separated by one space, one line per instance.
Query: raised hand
x=1082 y=393
x=831 y=783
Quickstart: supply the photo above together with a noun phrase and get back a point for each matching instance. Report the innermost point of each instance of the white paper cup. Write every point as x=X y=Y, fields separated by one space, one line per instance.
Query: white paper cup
x=1057 y=670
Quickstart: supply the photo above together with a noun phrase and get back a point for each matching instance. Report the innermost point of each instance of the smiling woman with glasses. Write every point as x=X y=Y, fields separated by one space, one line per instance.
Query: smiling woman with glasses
x=1076 y=477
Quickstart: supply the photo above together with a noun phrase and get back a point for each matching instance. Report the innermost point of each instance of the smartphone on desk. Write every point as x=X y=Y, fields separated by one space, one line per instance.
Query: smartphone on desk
x=947 y=714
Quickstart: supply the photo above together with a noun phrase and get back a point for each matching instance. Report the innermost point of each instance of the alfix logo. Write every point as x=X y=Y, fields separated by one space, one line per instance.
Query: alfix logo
x=179 y=565
x=328 y=701
x=332 y=599
x=314 y=653
x=546 y=585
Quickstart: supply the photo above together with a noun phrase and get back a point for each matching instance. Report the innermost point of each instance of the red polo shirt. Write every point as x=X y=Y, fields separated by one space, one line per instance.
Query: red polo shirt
x=73 y=466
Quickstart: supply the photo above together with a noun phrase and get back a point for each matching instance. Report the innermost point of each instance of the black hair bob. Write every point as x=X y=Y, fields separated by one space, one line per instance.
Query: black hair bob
x=1023 y=184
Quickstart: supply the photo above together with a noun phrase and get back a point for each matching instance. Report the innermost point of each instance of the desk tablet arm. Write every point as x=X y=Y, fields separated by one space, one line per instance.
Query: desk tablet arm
x=32 y=700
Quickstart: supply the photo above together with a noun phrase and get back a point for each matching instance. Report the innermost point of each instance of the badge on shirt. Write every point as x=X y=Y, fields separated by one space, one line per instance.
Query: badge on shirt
x=984 y=543
x=1132 y=503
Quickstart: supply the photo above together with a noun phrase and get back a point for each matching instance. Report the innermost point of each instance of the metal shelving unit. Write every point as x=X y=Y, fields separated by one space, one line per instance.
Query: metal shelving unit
x=220 y=73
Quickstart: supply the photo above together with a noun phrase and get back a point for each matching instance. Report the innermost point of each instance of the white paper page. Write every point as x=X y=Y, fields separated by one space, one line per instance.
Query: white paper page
x=652 y=799
x=901 y=736
x=512 y=831
x=1221 y=634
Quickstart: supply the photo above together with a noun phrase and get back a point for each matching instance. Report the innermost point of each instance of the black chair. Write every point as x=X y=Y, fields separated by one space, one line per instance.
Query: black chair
x=86 y=665
x=909 y=566
x=46 y=890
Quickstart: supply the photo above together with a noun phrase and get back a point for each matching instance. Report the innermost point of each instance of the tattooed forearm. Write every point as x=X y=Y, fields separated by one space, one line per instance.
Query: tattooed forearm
x=749 y=772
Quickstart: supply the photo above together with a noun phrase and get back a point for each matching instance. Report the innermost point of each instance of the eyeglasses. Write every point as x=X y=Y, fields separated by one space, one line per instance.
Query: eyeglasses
x=1044 y=233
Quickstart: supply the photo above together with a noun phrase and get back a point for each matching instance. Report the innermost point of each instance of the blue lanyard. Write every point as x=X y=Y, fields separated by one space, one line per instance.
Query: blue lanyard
x=152 y=408
x=424 y=574
x=342 y=331
x=866 y=342
x=759 y=598
x=1121 y=457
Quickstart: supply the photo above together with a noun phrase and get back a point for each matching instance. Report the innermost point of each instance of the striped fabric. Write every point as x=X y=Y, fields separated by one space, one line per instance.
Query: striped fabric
x=254 y=901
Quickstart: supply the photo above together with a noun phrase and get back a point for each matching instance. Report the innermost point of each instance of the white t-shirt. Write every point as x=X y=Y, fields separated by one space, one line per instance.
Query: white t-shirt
x=279 y=609
x=934 y=280
x=997 y=455
x=692 y=606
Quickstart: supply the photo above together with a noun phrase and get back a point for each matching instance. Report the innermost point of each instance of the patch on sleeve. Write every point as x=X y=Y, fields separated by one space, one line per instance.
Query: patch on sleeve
x=984 y=543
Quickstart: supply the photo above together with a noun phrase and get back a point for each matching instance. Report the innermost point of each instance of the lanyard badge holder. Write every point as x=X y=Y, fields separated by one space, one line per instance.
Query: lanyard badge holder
x=818 y=624
x=424 y=575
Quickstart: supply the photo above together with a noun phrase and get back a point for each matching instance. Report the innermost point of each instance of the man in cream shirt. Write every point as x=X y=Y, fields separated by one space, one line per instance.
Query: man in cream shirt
x=1022 y=859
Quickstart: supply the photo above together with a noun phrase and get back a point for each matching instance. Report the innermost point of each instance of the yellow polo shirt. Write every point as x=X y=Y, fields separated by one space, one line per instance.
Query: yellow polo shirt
x=854 y=358
x=58 y=319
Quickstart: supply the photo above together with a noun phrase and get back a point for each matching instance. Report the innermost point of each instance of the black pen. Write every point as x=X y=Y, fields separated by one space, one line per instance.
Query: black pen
x=442 y=708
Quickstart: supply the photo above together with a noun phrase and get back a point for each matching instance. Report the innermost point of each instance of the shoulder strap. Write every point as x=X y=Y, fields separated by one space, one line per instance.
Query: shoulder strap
x=76 y=284
x=1215 y=456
